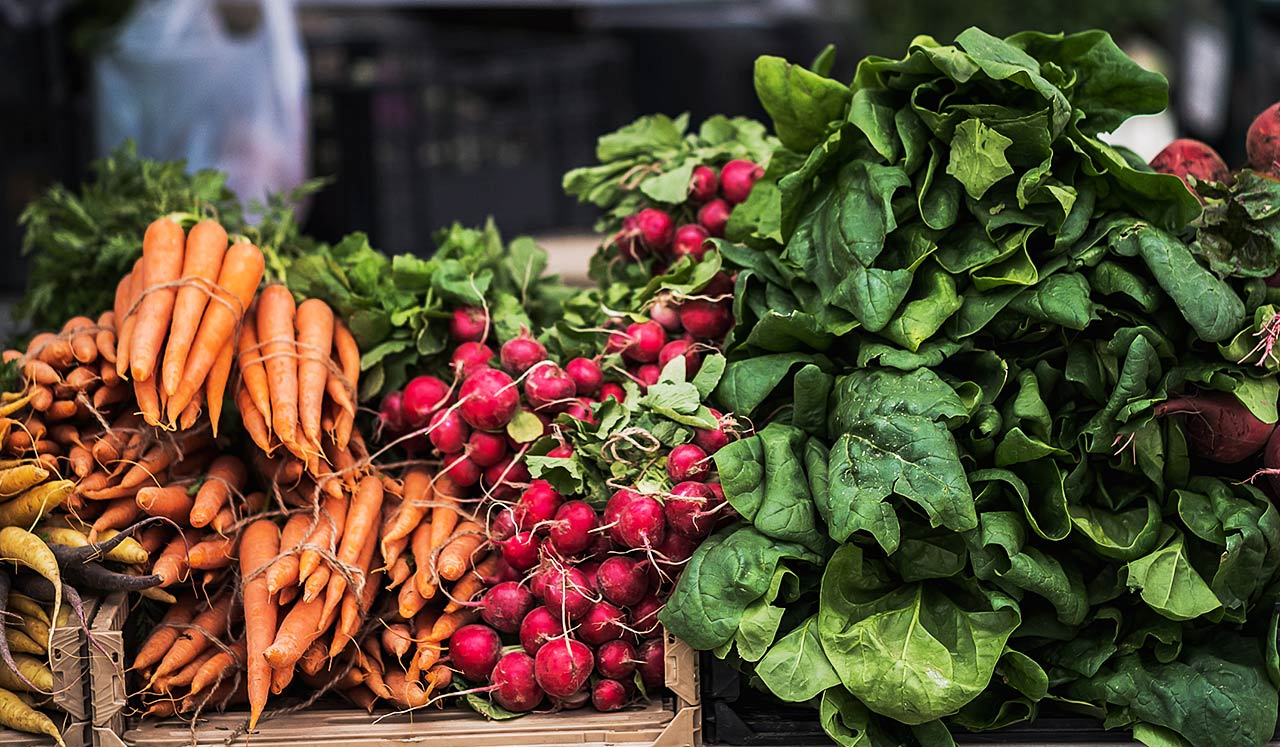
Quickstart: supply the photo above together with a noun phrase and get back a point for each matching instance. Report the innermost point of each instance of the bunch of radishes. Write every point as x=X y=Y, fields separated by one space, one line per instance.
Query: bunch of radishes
x=1186 y=157
x=688 y=326
x=653 y=232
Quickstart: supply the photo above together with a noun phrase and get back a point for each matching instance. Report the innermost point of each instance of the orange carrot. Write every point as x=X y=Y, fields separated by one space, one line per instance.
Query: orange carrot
x=241 y=272
x=216 y=385
x=410 y=601
x=444 y=515
x=418 y=494
x=211 y=554
x=300 y=627
x=424 y=576
x=354 y=607
x=362 y=523
x=253 y=420
x=315 y=343
x=253 y=374
x=316 y=582
x=83 y=347
x=472 y=583
x=329 y=524
x=261 y=544
x=220 y=665
x=162 y=253
x=459 y=554
x=128 y=318
x=164 y=635
x=227 y=476
x=276 y=312
x=148 y=398
x=171 y=502
x=171 y=566
x=206 y=245
x=105 y=339
x=118 y=514
x=284 y=572
x=344 y=346
x=450 y=622
x=186 y=675
x=229 y=515
x=207 y=626
x=398 y=573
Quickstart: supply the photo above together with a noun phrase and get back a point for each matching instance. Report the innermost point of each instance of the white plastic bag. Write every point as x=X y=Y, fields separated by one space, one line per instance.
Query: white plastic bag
x=177 y=84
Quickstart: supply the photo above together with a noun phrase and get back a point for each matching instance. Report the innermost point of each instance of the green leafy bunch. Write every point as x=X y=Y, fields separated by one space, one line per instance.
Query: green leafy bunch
x=958 y=309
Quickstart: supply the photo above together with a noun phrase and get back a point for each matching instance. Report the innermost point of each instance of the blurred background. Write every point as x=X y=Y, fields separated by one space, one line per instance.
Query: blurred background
x=427 y=111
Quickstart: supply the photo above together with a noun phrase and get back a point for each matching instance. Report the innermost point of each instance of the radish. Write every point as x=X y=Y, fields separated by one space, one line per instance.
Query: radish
x=448 y=432
x=1218 y=426
x=645 y=615
x=1185 y=158
x=719 y=286
x=537 y=505
x=613 y=390
x=737 y=178
x=503 y=526
x=690 y=241
x=391 y=412
x=475 y=650
x=422 y=395
x=591 y=569
x=714 y=216
x=563 y=451
x=677 y=348
x=538 y=627
x=688 y=462
x=645 y=342
x=666 y=312
x=463 y=471
x=712 y=441
x=587 y=376
x=622 y=581
x=580 y=410
x=573 y=702
x=641 y=523
x=469 y=324
x=488 y=400
x=514 y=683
x=520 y=550
x=538 y=581
x=604 y=622
x=674 y=551
x=566 y=592
x=1263 y=141
x=506 y=477
x=608 y=695
x=571 y=531
x=504 y=606
x=519 y=354
x=614 y=508
x=686 y=510
x=647 y=375
x=704 y=184
x=655 y=228
x=616 y=659
x=470 y=357
x=652 y=663
x=486 y=449
x=548 y=388
x=562 y=667
x=706 y=320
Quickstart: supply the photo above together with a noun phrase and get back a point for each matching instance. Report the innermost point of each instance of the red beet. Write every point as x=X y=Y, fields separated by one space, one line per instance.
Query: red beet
x=508 y=473
x=562 y=667
x=538 y=627
x=737 y=178
x=515 y=685
x=608 y=695
x=566 y=592
x=677 y=348
x=714 y=216
x=469 y=324
x=537 y=505
x=704 y=184
x=686 y=510
x=489 y=399
x=470 y=357
x=711 y=441
x=655 y=228
x=648 y=375
x=462 y=470
x=690 y=241
x=1186 y=157
x=622 y=580
x=519 y=354
x=641 y=523
x=580 y=410
x=646 y=341
x=1218 y=426
x=475 y=650
x=645 y=616
x=587 y=376
x=611 y=389
x=1263 y=141
x=503 y=524
x=563 y=451
x=391 y=412
x=666 y=312
x=486 y=449
x=603 y=623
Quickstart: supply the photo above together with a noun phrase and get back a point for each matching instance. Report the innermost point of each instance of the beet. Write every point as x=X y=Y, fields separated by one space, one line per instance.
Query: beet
x=562 y=667
x=674 y=551
x=469 y=324
x=505 y=606
x=563 y=451
x=1191 y=158
x=686 y=510
x=515 y=686
x=712 y=441
x=704 y=184
x=611 y=389
x=677 y=348
x=463 y=471
x=486 y=449
x=655 y=229
x=566 y=592
x=641 y=523
x=503 y=525
x=475 y=650
x=549 y=388
x=648 y=375
x=627 y=240
x=608 y=695
x=613 y=511
x=587 y=376
x=737 y=178
x=616 y=659
x=521 y=550
x=1218 y=426
x=521 y=353
x=580 y=410
x=1263 y=141
x=488 y=400
x=690 y=241
x=507 y=473
x=604 y=622
x=645 y=616
x=666 y=311
x=538 y=627
x=646 y=341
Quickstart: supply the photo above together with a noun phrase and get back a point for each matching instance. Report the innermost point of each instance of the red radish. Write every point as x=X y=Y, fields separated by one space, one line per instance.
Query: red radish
x=567 y=593
x=469 y=324
x=645 y=342
x=580 y=410
x=519 y=354
x=470 y=357
x=587 y=376
x=714 y=216
x=613 y=390
x=703 y=185
x=608 y=695
x=504 y=606
x=641 y=524
x=677 y=348
x=520 y=550
x=538 y=627
x=475 y=650
x=515 y=685
x=537 y=505
x=488 y=399
x=655 y=228
x=422 y=395
x=601 y=547
x=504 y=573
x=448 y=432
x=562 y=667
x=548 y=387
x=486 y=449
x=575 y=701
x=648 y=375
x=462 y=470
x=391 y=412
x=1263 y=141
x=652 y=663
x=627 y=240
x=1185 y=158
x=538 y=582
x=686 y=510
x=1218 y=426
x=706 y=320
x=622 y=581
x=563 y=451
x=712 y=441
x=571 y=529
x=507 y=473
x=688 y=462
x=591 y=569
x=603 y=623
x=737 y=178
x=618 y=503
x=503 y=525
x=720 y=285
x=645 y=615
x=673 y=552
x=616 y=659
x=666 y=312
x=690 y=241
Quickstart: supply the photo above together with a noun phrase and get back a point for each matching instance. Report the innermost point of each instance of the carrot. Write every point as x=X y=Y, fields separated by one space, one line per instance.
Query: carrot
x=450 y=622
x=186 y=675
x=227 y=476
x=299 y=628
x=397 y=639
x=83 y=347
x=316 y=582
x=52 y=349
x=16 y=714
x=410 y=601
x=424 y=576
x=221 y=665
x=361 y=525
x=237 y=280
x=315 y=343
x=329 y=524
x=206 y=627
x=284 y=572
x=16 y=480
x=253 y=420
x=171 y=502
x=344 y=346
x=418 y=494
x=393 y=551
x=164 y=635
x=261 y=544
x=280 y=679
x=472 y=583
x=189 y=416
x=459 y=554
x=171 y=566
x=444 y=515
x=206 y=245
x=162 y=253
x=212 y=554
x=276 y=312
x=27 y=509
x=148 y=398
x=253 y=374
x=398 y=573
x=361 y=697
x=314 y=658
x=105 y=339
x=216 y=385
